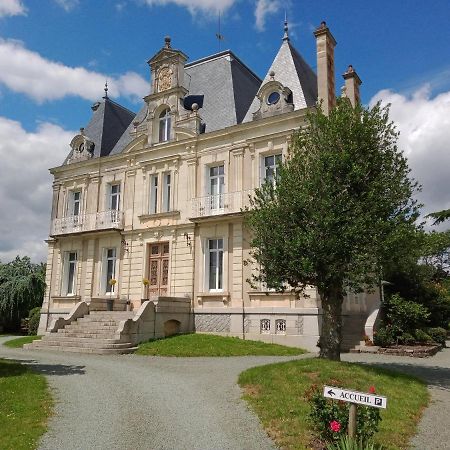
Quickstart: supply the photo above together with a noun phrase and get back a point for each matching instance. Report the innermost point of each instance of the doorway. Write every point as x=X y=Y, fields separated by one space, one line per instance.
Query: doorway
x=158 y=270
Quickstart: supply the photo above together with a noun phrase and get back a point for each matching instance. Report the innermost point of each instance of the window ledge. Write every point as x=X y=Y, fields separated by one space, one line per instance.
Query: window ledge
x=223 y=297
x=159 y=215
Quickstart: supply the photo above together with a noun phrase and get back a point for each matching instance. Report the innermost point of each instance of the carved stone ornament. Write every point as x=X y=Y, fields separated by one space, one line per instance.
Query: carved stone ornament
x=82 y=149
x=164 y=79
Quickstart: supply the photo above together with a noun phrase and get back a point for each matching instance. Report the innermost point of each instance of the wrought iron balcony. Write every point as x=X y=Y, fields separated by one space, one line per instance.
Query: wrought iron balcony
x=106 y=220
x=215 y=205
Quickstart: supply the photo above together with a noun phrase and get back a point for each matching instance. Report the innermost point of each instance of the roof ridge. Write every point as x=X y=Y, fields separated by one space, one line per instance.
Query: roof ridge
x=119 y=105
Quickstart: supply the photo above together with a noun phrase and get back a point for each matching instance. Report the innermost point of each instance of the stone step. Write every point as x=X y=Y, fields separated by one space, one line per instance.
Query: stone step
x=113 y=314
x=84 y=334
x=99 y=321
x=96 y=351
x=89 y=326
x=83 y=344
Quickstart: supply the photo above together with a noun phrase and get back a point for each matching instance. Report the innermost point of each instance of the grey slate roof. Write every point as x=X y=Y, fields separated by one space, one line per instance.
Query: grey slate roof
x=228 y=85
x=292 y=71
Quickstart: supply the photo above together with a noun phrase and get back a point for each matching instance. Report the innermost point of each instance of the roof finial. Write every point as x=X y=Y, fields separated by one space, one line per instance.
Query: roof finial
x=106 y=89
x=286 y=28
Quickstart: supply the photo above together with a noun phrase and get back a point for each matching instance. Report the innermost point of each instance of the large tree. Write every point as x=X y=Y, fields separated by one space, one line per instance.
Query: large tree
x=22 y=286
x=341 y=208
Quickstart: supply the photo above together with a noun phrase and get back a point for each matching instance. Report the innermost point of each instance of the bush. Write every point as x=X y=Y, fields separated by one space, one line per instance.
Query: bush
x=439 y=335
x=407 y=339
x=404 y=316
x=347 y=443
x=33 y=321
x=384 y=337
x=330 y=417
x=423 y=337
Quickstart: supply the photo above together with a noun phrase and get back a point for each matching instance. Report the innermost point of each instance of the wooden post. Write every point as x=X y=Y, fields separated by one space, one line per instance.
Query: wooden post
x=352 y=420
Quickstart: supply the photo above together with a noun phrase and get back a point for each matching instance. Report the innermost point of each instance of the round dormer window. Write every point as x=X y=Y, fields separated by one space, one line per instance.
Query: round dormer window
x=273 y=98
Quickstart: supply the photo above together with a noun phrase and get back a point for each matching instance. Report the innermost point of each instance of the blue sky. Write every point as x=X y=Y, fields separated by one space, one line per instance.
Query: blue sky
x=56 y=54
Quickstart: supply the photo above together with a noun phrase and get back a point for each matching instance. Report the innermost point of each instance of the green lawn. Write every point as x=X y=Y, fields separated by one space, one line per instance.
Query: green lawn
x=277 y=394
x=25 y=405
x=210 y=345
x=18 y=342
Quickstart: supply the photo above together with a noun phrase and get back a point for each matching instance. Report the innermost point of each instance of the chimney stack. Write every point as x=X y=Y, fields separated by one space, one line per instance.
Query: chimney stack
x=325 y=67
x=352 y=83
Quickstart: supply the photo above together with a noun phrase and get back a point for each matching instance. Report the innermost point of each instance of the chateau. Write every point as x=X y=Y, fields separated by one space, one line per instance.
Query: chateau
x=146 y=216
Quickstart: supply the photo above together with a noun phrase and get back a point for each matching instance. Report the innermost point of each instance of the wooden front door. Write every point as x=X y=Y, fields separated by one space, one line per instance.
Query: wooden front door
x=158 y=270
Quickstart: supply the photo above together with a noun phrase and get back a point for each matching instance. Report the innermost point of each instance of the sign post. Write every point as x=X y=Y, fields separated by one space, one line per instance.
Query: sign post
x=354 y=398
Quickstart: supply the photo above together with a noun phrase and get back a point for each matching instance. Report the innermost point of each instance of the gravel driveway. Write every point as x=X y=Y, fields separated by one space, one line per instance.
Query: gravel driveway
x=133 y=402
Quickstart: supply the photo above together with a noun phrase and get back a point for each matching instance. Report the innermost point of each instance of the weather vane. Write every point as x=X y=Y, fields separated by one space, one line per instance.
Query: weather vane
x=219 y=36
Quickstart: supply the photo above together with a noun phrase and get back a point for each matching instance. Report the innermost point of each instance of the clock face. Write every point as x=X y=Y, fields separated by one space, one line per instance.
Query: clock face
x=164 y=79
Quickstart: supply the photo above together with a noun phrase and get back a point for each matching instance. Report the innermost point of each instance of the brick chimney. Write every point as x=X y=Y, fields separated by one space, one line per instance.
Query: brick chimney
x=352 y=83
x=325 y=67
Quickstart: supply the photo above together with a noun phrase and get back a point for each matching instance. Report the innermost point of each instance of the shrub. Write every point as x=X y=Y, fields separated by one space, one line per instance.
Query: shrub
x=407 y=339
x=33 y=321
x=384 y=337
x=439 y=335
x=423 y=337
x=404 y=315
x=330 y=417
x=347 y=443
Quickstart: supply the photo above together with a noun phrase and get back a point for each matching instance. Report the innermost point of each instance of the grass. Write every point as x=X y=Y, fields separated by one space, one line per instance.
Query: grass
x=18 y=342
x=211 y=345
x=277 y=394
x=25 y=405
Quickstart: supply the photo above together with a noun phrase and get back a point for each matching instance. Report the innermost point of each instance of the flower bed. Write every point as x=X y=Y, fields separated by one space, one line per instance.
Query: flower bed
x=416 y=351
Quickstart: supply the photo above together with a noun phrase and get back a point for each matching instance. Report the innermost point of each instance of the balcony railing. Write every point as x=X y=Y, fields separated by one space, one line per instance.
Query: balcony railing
x=106 y=220
x=214 y=205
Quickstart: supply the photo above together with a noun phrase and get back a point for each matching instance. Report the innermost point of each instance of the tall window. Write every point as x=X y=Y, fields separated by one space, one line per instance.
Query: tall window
x=70 y=273
x=110 y=270
x=167 y=192
x=270 y=167
x=153 y=194
x=164 y=125
x=215 y=264
x=114 y=197
x=217 y=186
x=74 y=203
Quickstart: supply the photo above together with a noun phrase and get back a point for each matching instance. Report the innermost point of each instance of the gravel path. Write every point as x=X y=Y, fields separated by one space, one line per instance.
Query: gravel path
x=434 y=428
x=135 y=402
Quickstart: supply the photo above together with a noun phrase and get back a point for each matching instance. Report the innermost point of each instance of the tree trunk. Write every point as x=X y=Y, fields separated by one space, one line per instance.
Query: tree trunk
x=331 y=335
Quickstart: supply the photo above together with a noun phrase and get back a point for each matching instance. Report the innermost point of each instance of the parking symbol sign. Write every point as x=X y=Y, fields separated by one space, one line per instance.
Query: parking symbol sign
x=378 y=401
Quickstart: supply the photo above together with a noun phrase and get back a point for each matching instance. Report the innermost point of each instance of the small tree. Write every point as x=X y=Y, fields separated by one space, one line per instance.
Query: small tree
x=341 y=208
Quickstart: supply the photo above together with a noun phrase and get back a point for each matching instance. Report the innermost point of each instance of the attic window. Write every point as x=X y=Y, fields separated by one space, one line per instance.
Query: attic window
x=164 y=125
x=273 y=98
x=81 y=147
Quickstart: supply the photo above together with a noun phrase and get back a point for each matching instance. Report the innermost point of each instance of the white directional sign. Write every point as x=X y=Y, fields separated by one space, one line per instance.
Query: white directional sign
x=361 y=398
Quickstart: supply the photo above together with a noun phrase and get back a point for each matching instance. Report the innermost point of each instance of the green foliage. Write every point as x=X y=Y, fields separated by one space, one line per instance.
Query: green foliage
x=347 y=443
x=330 y=417
x=440 y=216
x=438 y=334
x=33 y=320
x=406 y=339
x=404 y=316
x=384 y=337
x=22 y=286
x=422 y=337
x=341 y=208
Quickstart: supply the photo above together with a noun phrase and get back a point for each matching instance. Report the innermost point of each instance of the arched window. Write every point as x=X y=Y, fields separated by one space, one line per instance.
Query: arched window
x=164 y=125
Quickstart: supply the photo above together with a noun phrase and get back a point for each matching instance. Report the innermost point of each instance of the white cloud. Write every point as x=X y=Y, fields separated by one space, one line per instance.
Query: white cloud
x=25 y=185
x=263 y=9
x=195 y=6
x=12 y=8
x=27 y=72
x=67 y=5
x=424 y=125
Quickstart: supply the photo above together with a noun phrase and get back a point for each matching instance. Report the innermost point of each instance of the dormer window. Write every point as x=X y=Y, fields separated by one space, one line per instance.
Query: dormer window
x=273 y=98
x=164 y=125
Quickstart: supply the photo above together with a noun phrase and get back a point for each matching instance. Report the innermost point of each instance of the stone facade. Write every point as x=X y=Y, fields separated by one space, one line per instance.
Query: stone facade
x=156 y=210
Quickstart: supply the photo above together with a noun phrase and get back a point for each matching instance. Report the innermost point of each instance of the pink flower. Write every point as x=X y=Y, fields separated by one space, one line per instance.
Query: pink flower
x=372 y=390
x=335 y=426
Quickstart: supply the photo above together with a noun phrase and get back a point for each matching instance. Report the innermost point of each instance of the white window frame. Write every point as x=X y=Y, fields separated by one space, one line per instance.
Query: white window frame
x=167 y=192
x=106 y=288
x=154 y=191
x=164 y=124
x=280 y=326
x=264 y=326
x=216 y=253
x=217 y=199
x=71 y=202
x=278 y=158
x=114 y=195
x=67 y=289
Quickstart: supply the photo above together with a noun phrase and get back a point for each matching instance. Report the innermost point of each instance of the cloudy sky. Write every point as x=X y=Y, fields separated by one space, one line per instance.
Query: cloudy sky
x=55 y=56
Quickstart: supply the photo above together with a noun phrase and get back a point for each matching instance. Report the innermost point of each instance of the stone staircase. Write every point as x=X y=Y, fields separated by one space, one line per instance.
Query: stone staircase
x=95 y=332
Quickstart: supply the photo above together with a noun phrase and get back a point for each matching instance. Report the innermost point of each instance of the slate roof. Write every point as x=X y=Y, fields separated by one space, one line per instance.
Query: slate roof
x=292 y=71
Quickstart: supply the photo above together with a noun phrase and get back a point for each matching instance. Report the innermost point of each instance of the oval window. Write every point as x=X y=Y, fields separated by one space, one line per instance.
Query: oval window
x=273 y=98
